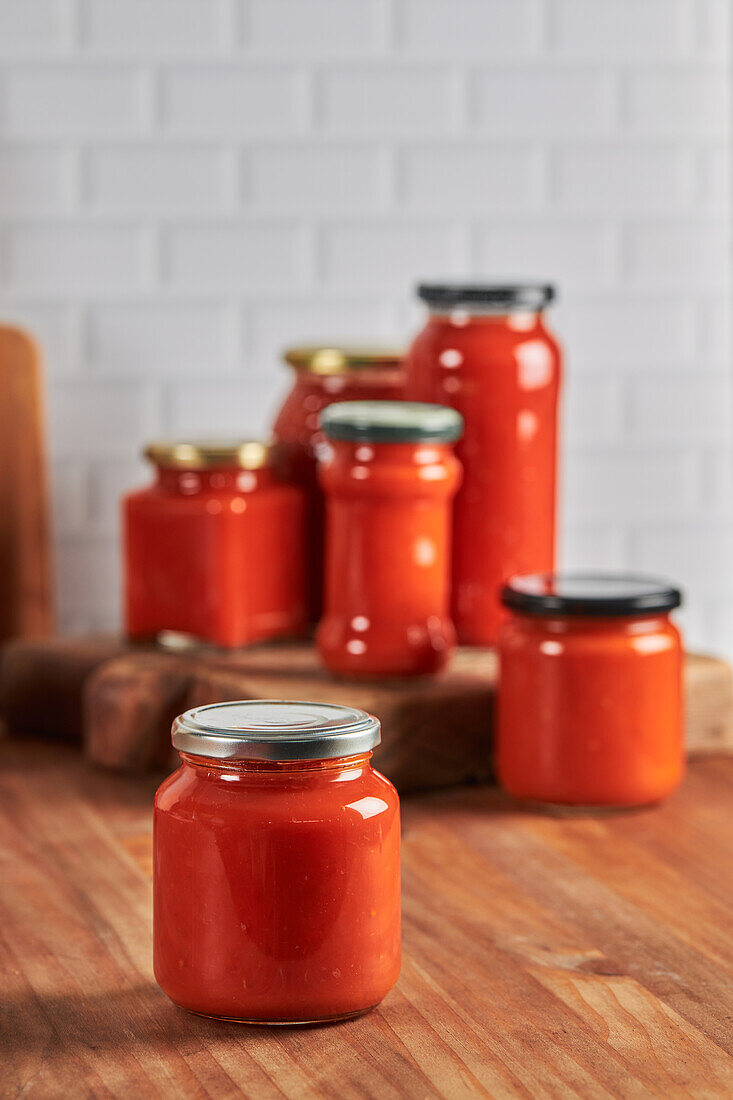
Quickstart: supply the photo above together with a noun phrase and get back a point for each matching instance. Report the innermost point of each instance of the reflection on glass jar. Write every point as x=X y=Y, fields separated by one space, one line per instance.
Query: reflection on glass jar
x=277 y=865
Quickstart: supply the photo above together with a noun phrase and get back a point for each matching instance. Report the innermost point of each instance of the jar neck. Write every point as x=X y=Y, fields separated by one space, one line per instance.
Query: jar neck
x=221 y=479
x=397 y=471
x=411 y=454
x=516 y=320
x=630 y=625
x=365 y=378
x=339 y=767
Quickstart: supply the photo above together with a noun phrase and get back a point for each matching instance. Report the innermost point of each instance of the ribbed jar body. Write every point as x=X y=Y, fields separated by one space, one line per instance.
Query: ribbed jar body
x=386 y=608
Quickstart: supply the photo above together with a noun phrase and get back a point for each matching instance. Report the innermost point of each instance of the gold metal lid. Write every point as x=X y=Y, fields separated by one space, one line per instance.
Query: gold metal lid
x=245 y=454
x=339 y=360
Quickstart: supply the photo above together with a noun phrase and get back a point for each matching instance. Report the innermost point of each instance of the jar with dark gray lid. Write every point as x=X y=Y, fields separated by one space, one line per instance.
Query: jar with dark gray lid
x=389 y=475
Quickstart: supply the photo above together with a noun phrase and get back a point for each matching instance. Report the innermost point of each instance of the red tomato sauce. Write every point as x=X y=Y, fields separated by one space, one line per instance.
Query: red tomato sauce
x=322 y=376
x=590 y=707
x=502 y=373
x=386 y=608
x=215 y=553
x=277 y=887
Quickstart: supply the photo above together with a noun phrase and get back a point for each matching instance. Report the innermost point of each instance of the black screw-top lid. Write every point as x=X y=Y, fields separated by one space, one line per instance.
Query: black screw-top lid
x=391 y=422
x=488 y=297
x=589 y=594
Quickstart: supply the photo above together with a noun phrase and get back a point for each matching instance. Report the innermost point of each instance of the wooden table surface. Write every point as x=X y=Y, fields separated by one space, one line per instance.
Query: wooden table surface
x=545 y=956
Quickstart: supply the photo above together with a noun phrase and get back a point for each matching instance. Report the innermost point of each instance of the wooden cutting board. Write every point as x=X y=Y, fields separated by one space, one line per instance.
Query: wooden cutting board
x=26 y=605
x=120 y=700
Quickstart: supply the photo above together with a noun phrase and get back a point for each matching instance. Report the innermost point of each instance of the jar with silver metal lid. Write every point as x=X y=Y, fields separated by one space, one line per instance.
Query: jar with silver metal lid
x=276 y=865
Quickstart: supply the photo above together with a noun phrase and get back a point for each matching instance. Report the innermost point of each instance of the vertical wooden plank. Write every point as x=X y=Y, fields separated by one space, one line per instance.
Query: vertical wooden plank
x=26 y=603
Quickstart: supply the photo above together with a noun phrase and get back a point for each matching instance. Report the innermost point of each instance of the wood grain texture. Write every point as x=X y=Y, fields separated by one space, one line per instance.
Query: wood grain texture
x=42 y=682
x=563 y=956
x=26 y=603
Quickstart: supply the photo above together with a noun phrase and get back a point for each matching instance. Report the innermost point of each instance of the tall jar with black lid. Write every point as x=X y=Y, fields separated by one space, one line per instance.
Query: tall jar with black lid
x=486 y=350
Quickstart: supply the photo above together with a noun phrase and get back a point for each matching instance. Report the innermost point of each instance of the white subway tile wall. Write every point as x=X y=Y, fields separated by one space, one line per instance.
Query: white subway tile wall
x=188 y=185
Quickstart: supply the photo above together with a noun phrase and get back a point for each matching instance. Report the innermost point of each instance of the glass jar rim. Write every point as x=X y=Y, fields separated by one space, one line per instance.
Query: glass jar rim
x=275 y=729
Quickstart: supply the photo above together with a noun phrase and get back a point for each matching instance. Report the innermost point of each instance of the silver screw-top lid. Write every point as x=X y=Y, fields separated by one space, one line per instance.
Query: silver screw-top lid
x=275 y=729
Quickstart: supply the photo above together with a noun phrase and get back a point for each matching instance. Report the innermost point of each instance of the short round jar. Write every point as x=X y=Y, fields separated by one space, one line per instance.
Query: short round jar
x=590 y=690
x=276 y=865
x=389 y=476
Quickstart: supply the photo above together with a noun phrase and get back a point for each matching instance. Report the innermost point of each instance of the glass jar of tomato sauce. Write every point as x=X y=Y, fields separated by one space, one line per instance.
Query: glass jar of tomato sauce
x=389 y=476
x=214 y=547
x=486 y=351
x=323 y=375
x=590 y=690
x=276 y=865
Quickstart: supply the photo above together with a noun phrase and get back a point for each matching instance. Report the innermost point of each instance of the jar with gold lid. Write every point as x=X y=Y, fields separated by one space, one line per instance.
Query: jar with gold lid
x=324 y=374
x=214 y=548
